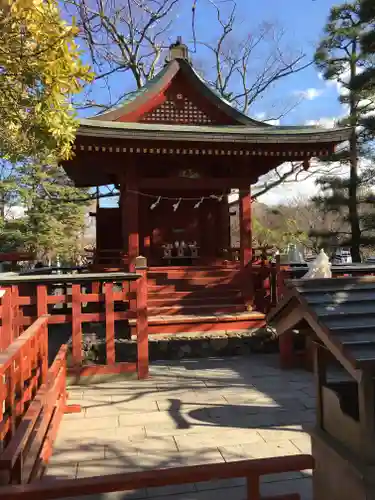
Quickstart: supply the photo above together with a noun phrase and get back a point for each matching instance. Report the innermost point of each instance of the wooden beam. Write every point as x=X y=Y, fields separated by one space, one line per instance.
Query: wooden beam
x=183 y=183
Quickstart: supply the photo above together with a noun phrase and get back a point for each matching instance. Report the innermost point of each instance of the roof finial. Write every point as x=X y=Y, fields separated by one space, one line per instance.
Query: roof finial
x=178 y=50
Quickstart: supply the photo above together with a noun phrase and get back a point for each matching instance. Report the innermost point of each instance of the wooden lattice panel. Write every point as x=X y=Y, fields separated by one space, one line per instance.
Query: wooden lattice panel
x=178 y=110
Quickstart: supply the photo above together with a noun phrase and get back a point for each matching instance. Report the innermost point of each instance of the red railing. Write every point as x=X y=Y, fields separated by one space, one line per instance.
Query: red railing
x=252 y=470
x=32 y=402
x=81 y=298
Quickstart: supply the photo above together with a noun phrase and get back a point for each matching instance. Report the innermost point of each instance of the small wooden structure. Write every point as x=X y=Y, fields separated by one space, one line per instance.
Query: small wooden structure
x=295 y=346
x=339 y=314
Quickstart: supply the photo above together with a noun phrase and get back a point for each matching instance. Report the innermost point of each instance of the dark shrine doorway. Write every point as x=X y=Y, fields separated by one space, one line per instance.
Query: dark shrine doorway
x=108 y=230
x=186 y=223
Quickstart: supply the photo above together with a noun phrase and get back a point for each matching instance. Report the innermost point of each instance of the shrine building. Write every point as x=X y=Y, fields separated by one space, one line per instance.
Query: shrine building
x=175 y=150
x=177 y=139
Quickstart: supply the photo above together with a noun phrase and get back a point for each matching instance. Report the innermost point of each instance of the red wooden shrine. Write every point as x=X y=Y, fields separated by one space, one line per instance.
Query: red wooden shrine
x=175 y=138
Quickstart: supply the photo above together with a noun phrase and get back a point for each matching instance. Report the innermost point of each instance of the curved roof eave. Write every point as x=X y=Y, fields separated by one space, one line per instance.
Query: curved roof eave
x=198 y=133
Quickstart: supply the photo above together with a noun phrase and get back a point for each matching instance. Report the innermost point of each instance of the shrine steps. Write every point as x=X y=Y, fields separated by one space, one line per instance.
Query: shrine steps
x=198 y=299
x=189 y=298
x=205 y=323
x=197 y=308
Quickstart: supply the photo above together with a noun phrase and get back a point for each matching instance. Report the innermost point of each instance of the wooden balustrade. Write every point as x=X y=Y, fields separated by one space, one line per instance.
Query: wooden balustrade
x=83 y=298
x=252 y=470
x=32 y=402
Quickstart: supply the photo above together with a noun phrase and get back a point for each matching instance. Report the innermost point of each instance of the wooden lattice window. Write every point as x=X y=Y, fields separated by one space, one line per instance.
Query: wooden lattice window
x=178 y=110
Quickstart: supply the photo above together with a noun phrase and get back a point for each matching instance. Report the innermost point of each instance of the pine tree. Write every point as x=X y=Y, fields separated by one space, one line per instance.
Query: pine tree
x=54 y=215
x=365 y=82
x=340 y=58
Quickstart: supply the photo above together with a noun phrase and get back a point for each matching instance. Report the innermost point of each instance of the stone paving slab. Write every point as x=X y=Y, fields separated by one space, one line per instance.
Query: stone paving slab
x=189 y=413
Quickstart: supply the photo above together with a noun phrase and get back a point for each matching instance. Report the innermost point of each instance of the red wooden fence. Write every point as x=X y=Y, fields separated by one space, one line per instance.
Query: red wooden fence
x=32 y=402
x=105 y=297
x=252 y=470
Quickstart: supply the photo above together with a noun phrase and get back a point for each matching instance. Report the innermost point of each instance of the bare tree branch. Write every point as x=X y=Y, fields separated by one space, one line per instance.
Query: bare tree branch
x=235 y=74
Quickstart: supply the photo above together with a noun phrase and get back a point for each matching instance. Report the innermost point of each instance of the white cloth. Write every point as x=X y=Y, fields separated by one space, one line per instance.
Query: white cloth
x=320 y=267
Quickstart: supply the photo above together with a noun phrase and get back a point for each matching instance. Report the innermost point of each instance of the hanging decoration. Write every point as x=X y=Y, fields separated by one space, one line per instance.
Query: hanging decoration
x=199 y=203
x=216 y=197
x=176 y=205
x=154 y=205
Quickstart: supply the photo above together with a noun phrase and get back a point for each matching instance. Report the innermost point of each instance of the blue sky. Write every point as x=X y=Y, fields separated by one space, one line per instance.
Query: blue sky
x=302 y=22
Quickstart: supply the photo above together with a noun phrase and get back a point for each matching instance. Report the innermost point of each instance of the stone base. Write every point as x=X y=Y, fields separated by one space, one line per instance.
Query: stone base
x=338 y=474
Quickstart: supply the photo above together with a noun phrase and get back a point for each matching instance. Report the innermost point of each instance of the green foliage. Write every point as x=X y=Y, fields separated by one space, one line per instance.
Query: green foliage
x=12 y=234
x=335 y=198
x=54 y=220
x=40 y=69
x=286 y=232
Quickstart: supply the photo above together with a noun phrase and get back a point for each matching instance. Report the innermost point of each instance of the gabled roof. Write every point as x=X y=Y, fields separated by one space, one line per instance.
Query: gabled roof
x=141 y=97
x=341 y=313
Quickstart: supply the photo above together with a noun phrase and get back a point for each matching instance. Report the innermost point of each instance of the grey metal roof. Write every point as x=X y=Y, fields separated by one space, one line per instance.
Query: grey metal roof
x=345 y=310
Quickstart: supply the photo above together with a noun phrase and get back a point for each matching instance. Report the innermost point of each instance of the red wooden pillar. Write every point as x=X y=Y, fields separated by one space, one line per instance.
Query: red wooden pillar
x=286 y=349
x=130 y=217
x=225 y=227
x=245 y=228
x=142 y=321
x=109 y=323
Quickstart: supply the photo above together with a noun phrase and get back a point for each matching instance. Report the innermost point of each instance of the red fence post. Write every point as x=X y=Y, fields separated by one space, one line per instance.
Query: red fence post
x=109 y=323
x=42 y=310
x=252 y=483
x=6 y=320
x=17 y=314
x=142 y=320
x=76 y=325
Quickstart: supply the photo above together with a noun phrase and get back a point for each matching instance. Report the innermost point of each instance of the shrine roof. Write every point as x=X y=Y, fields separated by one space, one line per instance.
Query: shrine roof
x=178 y=80
x=162 y=80
x=339 y=311
x=217 y=133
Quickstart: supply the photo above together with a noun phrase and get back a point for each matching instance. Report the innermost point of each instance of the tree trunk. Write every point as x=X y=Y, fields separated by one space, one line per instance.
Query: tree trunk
x=353 y=181
x=353 y=201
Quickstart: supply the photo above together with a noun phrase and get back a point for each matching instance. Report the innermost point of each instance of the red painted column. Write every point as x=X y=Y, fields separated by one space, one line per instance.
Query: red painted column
x=245 y=228
x=130 y=218
x=225 y=227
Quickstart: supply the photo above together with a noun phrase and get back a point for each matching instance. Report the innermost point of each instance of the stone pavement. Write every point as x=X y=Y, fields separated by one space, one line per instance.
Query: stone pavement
x=187 y=413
